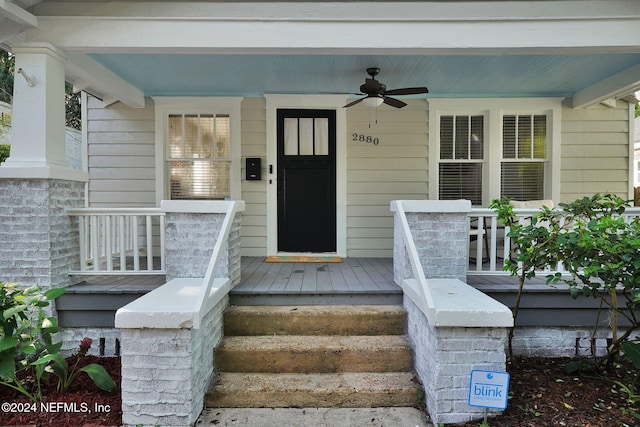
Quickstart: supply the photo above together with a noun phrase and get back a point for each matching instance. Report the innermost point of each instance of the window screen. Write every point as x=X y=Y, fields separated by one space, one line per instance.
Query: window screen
x=199 y=156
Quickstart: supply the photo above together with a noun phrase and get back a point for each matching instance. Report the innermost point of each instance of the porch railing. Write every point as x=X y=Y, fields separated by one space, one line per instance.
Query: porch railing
x=490 y=245
x=120 y=240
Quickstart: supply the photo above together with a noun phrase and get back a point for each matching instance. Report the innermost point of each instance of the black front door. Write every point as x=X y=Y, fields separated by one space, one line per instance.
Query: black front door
x=306 y=180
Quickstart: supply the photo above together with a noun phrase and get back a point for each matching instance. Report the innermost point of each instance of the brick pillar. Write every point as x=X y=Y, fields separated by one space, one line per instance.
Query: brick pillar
x=38 y=240
x=440 y=231
x=192 y=229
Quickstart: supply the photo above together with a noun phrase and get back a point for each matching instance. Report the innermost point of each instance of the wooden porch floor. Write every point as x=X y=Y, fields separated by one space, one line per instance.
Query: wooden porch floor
x=354 y=281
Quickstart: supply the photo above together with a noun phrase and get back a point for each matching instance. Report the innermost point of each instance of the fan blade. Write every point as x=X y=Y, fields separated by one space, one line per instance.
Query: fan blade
x=407 y=91
x=393 y=102
x=354 y=102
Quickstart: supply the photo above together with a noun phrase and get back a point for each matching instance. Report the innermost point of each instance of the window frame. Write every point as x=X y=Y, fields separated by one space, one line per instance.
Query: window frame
x=493 y=110
x=165 y=106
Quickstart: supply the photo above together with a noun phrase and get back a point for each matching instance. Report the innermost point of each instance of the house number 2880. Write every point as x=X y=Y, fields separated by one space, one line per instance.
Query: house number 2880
x=365 y=138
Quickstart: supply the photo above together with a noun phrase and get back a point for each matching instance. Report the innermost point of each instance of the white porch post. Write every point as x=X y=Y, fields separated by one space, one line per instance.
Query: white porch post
x=38 y=116
x=38 y=241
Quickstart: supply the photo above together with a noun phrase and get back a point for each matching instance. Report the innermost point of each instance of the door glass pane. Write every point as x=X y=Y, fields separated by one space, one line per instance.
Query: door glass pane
x=290 y=137
x=306 y=136
x=321 y=143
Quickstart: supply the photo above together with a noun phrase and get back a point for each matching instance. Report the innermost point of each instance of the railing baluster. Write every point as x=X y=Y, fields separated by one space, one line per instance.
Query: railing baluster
x=109 y=235
x=136 y=246
x=149 y=244
x=95 y=240
x=123 y=247
x=493 y=244
x=82 y=230
x=162 y=243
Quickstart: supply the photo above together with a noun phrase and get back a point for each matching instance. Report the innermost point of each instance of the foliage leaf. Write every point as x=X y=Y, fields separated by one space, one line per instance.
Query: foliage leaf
x=100 y=376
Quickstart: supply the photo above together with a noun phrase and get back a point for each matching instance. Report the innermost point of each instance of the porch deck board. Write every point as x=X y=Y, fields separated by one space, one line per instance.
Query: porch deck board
x=351 y=275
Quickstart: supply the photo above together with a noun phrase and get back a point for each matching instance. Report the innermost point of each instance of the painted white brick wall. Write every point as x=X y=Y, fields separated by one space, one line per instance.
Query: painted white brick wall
x=166 y=372
x=444 y=359
x=37 y=239
x=190 y=238
x=561 y=342
x=445 y=356
x=106 y=341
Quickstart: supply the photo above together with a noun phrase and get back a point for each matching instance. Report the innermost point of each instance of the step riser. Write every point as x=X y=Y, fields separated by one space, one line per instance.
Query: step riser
x=327 y=356
x=291 y=321
x=329 y=399
x=314 y=361
x=314 y=390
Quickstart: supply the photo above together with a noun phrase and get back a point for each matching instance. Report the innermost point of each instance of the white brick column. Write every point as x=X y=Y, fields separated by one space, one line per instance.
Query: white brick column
x=168 y=337
x=38 y=240
x=453 y=328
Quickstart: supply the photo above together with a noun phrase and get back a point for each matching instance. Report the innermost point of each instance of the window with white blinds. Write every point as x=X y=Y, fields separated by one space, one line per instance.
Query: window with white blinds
x=199 y=156
x=524 y=154
x=461 y=157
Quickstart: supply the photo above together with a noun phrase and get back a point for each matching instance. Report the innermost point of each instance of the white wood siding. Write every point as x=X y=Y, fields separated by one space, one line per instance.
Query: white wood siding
x=595 y=151
x=395 y=168
x=121 y=155
x=254 y=218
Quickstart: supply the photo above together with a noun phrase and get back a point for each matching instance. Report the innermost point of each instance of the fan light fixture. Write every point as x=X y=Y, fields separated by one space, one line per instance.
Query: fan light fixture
x=373 y=101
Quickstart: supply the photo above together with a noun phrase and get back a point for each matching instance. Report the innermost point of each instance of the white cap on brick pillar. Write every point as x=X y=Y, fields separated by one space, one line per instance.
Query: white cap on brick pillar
x=38 y=116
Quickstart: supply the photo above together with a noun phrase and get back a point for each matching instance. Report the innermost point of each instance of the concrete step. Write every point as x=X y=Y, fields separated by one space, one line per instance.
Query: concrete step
x=314 y=354
x=315 y=320
x=344 y=390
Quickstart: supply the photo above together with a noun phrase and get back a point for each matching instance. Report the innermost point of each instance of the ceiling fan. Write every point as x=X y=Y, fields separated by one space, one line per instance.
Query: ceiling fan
x=377 y=93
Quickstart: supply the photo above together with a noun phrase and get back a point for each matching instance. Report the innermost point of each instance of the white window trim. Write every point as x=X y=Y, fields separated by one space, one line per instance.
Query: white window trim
x=194 y=105
x=493 y=109
x=315 y=102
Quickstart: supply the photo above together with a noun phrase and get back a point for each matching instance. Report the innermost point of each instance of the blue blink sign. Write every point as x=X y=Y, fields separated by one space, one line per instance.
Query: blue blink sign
x=489 y=389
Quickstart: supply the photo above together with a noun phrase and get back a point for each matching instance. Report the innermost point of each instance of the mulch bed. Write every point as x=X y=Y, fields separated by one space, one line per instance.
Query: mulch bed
x=83 y=405
x=541 y=394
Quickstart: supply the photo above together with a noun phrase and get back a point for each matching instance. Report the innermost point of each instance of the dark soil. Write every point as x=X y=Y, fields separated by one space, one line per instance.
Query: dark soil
x=83 y=405
x=541 y=394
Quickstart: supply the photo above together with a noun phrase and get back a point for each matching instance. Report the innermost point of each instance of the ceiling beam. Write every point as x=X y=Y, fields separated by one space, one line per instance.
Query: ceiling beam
x=84 y=71
x=620 y=84
x=408 y=27
x=16 y=14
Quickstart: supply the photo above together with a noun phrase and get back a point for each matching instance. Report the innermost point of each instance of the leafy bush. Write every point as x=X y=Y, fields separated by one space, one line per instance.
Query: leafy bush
x=601 y=250
x=26 y=336
x=67 y=375
x=598 y=247
x=4 y=152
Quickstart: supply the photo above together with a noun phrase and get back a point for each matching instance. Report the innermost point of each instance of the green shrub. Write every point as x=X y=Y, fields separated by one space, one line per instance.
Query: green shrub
x=4 y=152
x=25 y=336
